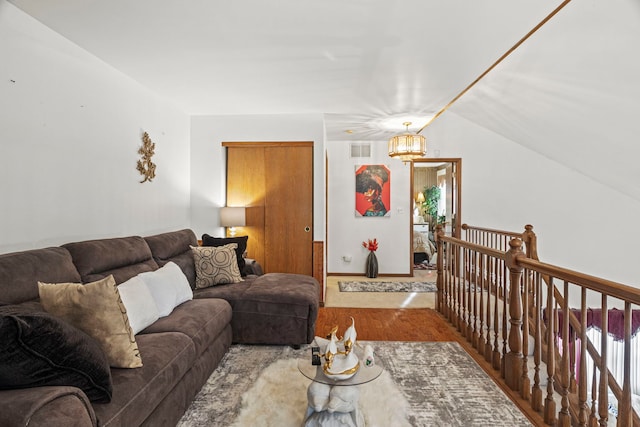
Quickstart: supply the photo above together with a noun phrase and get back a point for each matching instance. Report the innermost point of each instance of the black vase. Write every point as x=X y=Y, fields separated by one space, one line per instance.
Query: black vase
x=372 y=265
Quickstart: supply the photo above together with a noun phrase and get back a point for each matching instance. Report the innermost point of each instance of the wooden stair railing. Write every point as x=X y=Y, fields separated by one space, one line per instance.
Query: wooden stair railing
x=488 y=293
x=499 y=239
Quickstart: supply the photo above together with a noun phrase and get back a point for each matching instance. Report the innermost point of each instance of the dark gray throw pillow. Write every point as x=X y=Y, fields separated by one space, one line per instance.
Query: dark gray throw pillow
x=221 y=241
x=38 y=349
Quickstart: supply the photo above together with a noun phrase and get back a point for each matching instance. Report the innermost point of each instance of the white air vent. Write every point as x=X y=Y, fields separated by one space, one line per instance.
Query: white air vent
x=360 y=149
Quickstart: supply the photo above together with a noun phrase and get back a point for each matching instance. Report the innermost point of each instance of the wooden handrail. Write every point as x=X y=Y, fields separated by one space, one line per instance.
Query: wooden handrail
x=528 y=236
x=491 y=230
x=603 y=286
x=468 y=245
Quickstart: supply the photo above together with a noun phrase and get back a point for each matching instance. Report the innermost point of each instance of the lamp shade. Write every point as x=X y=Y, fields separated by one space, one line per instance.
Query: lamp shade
x=233 y=216
x=407 y=146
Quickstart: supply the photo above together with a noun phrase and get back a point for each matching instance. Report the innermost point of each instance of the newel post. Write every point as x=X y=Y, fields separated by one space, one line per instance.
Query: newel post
x=439 y=264
x=531 y=241
x=513 y=359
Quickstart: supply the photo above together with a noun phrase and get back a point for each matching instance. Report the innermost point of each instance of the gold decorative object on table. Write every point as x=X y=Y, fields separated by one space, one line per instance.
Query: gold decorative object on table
x=145 y=166
x=340 y=361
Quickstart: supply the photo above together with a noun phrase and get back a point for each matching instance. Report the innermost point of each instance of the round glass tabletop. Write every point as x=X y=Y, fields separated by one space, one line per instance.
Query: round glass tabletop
x=314 y=373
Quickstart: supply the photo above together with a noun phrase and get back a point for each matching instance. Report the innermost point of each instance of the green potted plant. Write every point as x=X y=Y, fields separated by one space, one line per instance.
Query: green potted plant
x=431 y=199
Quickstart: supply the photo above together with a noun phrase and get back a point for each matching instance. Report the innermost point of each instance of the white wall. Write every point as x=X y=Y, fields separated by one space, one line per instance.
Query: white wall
x=70 y=129
x=208 y=169
x=346 y=232
x=581 y=224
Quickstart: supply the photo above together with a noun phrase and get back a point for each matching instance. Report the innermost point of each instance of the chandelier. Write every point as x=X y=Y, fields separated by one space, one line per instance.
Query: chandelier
x=407 y=146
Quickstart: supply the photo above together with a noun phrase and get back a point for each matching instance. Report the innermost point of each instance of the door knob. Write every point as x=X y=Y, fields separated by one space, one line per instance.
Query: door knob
x=307 y=229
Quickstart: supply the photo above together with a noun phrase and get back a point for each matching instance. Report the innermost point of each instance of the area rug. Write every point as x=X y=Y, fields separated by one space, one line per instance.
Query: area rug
x=442 y=384
x=358 y=286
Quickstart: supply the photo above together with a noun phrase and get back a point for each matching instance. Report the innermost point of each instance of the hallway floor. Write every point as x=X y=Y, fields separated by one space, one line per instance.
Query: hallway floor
x=335 y=298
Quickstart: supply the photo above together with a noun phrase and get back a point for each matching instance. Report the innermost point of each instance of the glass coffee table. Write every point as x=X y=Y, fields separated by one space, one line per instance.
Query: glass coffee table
x=331 y=401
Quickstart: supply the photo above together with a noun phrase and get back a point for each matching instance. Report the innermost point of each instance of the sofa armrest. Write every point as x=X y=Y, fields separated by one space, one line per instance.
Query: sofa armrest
x=46 y=406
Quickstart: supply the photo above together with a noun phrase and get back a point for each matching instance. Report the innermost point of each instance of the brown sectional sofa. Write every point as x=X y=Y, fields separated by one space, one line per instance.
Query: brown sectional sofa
x=179 y=351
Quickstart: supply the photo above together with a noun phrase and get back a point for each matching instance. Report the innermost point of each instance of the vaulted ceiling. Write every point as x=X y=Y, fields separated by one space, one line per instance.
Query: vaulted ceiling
x=570 y=92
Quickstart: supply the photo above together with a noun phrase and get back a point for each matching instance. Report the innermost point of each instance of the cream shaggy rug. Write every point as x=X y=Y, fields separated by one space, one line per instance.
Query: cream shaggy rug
x=279 y=399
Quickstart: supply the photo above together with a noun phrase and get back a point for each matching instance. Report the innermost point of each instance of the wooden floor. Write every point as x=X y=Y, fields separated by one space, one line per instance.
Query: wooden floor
x=417 y=324
x=386 y=324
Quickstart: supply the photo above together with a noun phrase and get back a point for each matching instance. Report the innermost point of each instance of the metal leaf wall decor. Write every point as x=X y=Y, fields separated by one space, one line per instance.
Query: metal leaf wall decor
x=145 y=166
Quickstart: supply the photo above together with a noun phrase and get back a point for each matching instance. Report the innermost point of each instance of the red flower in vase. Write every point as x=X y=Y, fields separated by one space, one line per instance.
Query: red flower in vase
x=371 y=245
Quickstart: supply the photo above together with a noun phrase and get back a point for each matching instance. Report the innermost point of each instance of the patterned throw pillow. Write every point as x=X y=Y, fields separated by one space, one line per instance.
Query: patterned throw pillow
x=216 y=265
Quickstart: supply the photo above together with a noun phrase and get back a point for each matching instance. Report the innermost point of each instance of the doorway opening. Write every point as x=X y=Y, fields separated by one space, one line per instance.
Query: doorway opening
x=436 y=200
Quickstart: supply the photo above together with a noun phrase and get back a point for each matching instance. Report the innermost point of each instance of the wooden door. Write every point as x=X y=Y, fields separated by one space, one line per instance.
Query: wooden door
x=246 y=187
x=275 y=182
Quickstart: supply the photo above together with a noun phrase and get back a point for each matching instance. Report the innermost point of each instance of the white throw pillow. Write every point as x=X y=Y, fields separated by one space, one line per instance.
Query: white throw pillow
x=137 y=299
x=168 y=286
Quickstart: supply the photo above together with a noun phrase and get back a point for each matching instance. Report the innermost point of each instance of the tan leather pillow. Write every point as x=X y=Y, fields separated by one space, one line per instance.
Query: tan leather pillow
x=96 y=309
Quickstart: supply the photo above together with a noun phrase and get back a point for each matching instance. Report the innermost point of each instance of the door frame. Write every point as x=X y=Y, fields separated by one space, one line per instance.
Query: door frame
x=456 y=226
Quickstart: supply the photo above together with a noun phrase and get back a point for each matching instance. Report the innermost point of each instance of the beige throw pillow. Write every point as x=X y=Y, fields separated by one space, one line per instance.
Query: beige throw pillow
x=216 y=265
x=96 y=309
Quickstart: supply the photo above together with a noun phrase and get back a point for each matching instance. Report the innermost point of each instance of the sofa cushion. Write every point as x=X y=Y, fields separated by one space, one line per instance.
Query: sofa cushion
x=38 y=349
x=21 y=271
x=123 y=257
x=168 y=286
x=201 y=320
x=175 y=246
x=140 y=304
x=232 y=293
x=216 y=265
x=275 y=308
x=96 y=309
x=136 y=393
x=241 y=241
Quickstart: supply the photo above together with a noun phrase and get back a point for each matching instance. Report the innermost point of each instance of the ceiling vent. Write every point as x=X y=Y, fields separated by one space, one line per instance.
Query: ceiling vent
x=360 y=149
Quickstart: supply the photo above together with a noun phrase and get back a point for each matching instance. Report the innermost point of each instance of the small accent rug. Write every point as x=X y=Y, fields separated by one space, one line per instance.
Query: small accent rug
x=353 y=286
x=442 y=384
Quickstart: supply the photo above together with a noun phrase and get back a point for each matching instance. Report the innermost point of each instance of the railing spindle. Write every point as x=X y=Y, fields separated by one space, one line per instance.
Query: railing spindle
x=582 y=383
x=505 y=325
x=549 y=402
x=525 y=383
x=474 y=290
x=593 y=418
x=487 y=343
x=624 y=404
x=496 y=318
x=603 y=391
x=564 y=417
x=536 y=393
x=480 y=341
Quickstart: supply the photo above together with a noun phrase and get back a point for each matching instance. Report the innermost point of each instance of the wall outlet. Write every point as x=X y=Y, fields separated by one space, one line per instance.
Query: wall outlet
x=346 y=258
